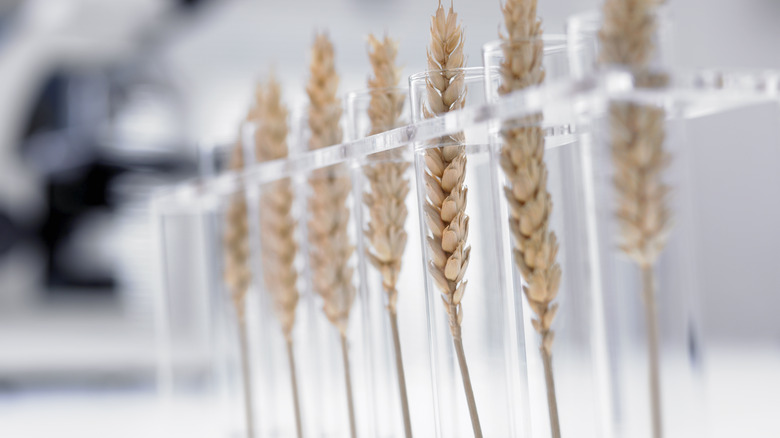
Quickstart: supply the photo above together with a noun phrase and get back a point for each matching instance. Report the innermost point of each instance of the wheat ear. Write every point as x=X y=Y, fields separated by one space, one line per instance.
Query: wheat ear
x=530 y=204
x=277 y=226
x=445 y=206
x=386 y=200
x=238 y=278
x=331 y=248
x=639 y=158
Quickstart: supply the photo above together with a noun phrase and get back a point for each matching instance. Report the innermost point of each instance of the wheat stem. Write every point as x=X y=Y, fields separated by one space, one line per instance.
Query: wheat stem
x=552 y=401
x=246 y=373
x=348 y=382
x=651 y=321
x=457 y=339
x=399 y=366
x=294 y=384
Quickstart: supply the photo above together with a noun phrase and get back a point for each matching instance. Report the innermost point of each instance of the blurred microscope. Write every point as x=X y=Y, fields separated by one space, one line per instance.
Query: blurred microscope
x=91 y=123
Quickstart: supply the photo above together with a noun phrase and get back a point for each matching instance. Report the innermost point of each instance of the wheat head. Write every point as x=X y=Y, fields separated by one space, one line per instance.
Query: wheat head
x=639 y=157
x=627 y=31
x=522 y=158
x=236 y=243
x=277 y=226
x=324 y=106
x=637 y=132
x=386 y=104
x=386 y=200
x=523 y=47
x=445 y=168
x=331 y=248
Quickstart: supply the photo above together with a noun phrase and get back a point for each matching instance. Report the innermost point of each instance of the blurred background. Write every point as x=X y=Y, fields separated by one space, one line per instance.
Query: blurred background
x=103 y=101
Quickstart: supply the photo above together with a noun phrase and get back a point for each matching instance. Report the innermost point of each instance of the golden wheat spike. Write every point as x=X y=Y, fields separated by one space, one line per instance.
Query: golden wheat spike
x=386 y=199
x=639 y=158
x=238 y=277
x=330 y=244
x=278 y=247
x=445 y=173
x=530 y=204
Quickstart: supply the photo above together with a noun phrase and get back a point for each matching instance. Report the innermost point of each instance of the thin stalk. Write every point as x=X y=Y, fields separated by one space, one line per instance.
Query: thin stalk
x=651 y=320
x=348 y=380
x=464 y=374
x=399 y=366
x=552 y=400
x=294 y=383
x=247 y=378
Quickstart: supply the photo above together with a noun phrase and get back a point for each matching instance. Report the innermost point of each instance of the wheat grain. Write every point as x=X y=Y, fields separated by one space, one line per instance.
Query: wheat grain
x=331 y=248
x=530 y=204
x=277 y=227
x=386 y=199
x=445 y=205
x=238 y=277
x=638 y=134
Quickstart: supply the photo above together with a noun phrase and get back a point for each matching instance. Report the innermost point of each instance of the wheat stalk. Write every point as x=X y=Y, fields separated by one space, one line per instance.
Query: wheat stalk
x=238 y=277
x=530 y=204
x=331 y=248
x=386 y=200
x=277 y=226
x=639 y=158
x=445 y=206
